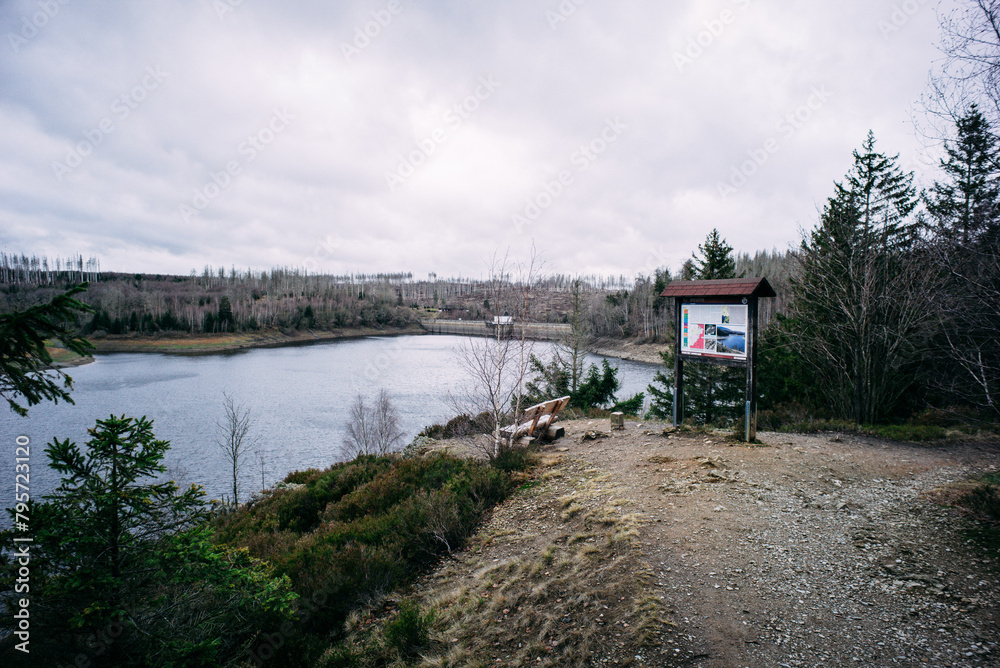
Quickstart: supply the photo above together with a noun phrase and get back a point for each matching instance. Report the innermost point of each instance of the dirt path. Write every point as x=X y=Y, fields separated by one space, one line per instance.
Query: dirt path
x=814 y=552
x=646 y=550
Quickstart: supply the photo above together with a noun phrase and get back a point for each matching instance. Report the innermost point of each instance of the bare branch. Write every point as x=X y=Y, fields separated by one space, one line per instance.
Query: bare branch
x=234 y=438
x=372 y=428
x=497 y=366
x=969 y=71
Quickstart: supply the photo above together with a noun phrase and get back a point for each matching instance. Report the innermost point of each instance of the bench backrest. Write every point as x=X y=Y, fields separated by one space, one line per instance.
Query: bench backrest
x=534 y=413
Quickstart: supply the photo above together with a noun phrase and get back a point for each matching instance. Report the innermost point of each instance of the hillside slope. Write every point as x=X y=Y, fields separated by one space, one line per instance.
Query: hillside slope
x=647 y=549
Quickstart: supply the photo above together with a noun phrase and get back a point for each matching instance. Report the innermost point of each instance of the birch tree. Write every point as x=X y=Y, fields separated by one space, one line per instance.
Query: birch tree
x=497 y=365
x=373 y=427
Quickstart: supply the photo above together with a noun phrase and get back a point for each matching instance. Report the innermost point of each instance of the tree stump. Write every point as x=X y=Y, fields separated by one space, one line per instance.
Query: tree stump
x=617 y=420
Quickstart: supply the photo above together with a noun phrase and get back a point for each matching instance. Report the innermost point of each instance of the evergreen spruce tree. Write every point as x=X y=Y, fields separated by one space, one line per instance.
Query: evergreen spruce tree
x=123 y=568
x=861 y=313
x=225 y=315
x=661 y=390
x=716 y=259
x=709 y=390
x=965 y=245
x=966 y=206
x=26 y=372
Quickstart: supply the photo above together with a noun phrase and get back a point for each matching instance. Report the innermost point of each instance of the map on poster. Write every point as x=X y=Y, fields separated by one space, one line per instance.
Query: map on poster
x=714 y=330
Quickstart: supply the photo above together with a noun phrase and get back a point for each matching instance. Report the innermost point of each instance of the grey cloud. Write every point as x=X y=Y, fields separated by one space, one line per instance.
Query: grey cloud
x=369 y=83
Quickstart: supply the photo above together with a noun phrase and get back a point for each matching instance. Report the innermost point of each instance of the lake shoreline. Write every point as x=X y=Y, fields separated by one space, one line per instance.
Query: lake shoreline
x=648 y=353
x=300 y=397
x=209 y=344
x=65 y=359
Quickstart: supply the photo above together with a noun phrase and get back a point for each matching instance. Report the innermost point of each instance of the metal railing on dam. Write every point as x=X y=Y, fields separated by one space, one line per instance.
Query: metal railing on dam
x=532 y=330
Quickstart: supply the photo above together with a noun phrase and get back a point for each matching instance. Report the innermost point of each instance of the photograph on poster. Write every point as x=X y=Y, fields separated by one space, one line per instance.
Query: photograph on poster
x=719 y=330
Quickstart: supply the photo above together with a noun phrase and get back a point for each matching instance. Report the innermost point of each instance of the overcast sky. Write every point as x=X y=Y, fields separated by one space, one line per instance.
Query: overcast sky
x=420 y=135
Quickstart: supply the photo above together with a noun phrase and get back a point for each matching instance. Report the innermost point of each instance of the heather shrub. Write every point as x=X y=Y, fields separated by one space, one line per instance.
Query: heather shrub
x=460 y=425
x=409 y=632
x=984 y=498
x=513 y=458
x=363 y=528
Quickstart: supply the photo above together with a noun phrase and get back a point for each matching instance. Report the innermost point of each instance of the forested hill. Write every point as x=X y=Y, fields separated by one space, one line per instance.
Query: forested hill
x=231 y=300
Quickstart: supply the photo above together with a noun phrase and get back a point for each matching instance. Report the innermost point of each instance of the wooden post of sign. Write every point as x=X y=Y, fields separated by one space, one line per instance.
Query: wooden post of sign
x=751 y=412
x=678 y=367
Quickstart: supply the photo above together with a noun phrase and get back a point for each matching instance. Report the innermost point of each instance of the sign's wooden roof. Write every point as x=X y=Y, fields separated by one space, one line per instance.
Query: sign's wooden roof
x=726 y=287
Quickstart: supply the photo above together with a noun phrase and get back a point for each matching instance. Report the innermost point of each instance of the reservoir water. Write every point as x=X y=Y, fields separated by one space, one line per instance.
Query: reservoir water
x=299 y=397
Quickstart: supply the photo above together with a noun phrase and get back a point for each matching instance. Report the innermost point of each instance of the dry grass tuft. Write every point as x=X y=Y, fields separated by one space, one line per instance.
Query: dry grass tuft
x=569 y=592
x=554 y=578
x=549 y=460
x=571 y=511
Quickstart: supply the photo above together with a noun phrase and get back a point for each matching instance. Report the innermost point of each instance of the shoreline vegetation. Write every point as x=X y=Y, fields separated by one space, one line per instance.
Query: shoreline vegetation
x=174 y=343
x=200 y=344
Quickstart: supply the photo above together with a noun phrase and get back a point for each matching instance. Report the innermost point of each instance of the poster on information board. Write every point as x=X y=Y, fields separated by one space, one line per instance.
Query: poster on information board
x=714 y=330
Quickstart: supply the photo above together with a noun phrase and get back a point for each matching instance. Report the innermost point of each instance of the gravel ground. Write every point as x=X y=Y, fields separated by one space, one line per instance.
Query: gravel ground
x=813 y=550
x=805 y=550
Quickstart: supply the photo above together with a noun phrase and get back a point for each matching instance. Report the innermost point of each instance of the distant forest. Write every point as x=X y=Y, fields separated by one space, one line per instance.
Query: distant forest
x=220 y=300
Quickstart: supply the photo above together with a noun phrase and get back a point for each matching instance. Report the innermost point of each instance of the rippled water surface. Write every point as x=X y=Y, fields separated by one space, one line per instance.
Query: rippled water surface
x=299 y=397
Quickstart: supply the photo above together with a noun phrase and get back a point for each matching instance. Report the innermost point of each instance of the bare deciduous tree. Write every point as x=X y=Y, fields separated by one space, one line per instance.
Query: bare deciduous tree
x=234 y=437
x=969 y=72
x=261 y=459
x=964 y=245
x=575 y=345
x=498 y=365
x=373 y=428
x=971 y=341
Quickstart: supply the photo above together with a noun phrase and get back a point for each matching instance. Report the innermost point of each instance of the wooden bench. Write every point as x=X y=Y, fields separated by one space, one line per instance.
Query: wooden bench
x=537 y=418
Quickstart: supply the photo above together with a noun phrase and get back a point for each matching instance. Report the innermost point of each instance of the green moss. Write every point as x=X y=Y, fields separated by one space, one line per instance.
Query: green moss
x=907 y=432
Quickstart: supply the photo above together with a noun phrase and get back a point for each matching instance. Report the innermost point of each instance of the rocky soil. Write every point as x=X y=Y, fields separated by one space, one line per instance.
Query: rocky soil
x=649 y=549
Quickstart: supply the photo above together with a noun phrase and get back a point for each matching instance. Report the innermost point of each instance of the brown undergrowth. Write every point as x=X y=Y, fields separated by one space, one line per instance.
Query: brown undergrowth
x=554 y=578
